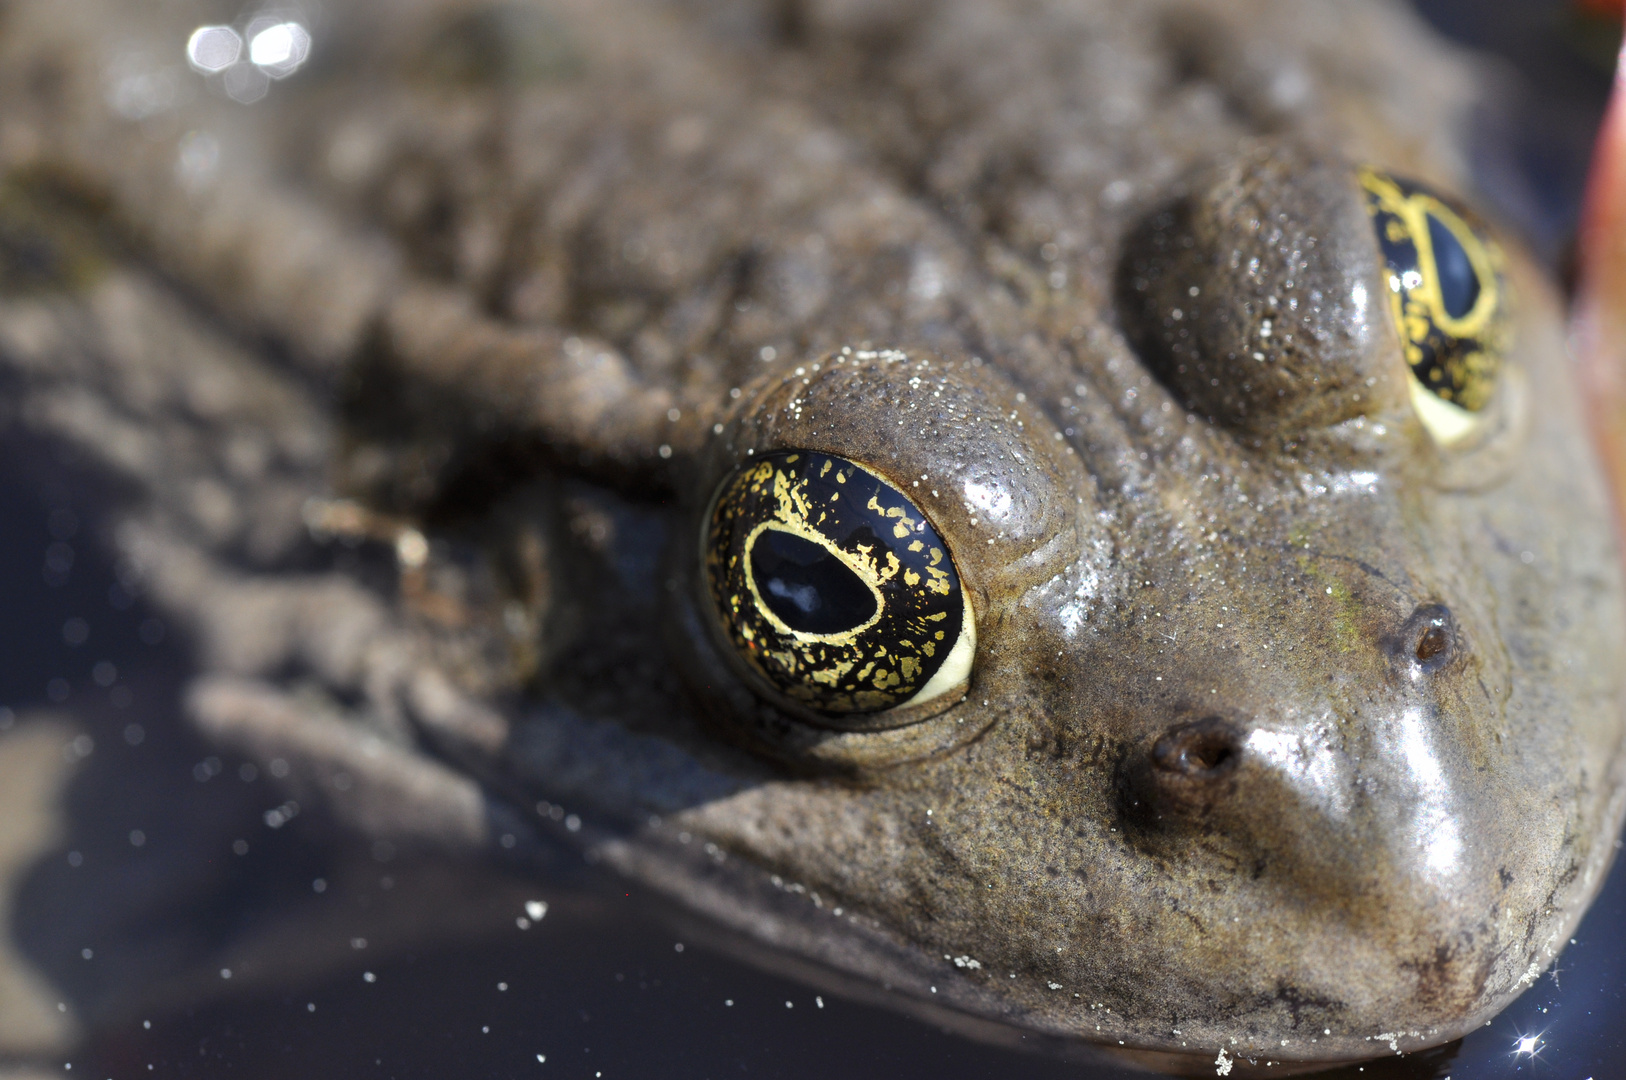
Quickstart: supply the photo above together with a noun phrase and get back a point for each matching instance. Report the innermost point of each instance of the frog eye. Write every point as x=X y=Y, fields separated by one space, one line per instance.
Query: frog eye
x=834 y=588
x=1448 y=299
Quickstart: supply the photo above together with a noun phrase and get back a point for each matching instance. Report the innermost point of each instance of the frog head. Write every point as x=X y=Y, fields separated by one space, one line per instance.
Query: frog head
x=1264 y=708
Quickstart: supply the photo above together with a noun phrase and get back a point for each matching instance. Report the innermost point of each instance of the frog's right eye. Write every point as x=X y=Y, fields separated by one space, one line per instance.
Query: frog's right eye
x=1448 y=300
x=837 y=594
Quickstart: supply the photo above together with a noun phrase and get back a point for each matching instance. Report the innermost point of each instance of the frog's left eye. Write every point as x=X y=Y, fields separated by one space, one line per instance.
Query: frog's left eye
x=1448 y=299
x=834 y=588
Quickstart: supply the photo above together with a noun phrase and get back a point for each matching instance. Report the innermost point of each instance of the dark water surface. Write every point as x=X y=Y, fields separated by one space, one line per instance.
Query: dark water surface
x=605 y=985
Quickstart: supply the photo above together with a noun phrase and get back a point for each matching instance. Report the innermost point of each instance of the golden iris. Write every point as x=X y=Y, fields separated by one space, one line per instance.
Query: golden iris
x=834 y=587
x=1447 y=296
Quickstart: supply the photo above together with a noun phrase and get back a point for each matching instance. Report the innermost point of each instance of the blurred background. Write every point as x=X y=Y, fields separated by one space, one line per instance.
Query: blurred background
x=605 y=985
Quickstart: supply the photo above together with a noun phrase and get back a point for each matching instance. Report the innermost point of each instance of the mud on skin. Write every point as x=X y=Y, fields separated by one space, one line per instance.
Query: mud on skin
x=1284 y=725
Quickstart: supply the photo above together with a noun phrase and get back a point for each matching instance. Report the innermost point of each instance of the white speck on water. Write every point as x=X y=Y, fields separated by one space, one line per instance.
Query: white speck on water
x=729 y=1002
x=541 y=1058
x=819 y=1001
x=411 y=549
x=535 y=909
x=225 y=973
x=368 y=976
x=197 y=160
x=278 y=816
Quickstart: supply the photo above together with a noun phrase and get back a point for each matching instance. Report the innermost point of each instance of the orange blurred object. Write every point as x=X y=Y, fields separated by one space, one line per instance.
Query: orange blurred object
x=1603 y=9
x=1598 y=329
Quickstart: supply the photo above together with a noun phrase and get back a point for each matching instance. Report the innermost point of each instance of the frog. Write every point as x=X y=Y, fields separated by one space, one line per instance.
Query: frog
x=1062 y=511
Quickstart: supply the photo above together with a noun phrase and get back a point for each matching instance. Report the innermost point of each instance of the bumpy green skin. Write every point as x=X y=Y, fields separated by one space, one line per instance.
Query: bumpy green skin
x=1203 y=794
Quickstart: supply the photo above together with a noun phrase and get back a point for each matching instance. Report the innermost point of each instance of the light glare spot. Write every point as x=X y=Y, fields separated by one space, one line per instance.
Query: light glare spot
x=213 y=49
x=280 y=49
x=246 y=83
x=993 y=501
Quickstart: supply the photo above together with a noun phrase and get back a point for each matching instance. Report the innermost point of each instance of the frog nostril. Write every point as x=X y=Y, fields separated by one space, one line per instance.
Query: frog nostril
x=1188 y=773
x=1205 y=749
x=1433 y=642
x=1429 y=636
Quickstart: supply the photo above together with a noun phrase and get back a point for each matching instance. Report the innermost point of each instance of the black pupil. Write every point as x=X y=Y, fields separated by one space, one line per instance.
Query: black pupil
x=806 y=586
x=1459 y=285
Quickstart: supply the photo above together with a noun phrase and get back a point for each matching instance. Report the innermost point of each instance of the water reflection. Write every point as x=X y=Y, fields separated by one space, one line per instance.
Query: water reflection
x=600 y=986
